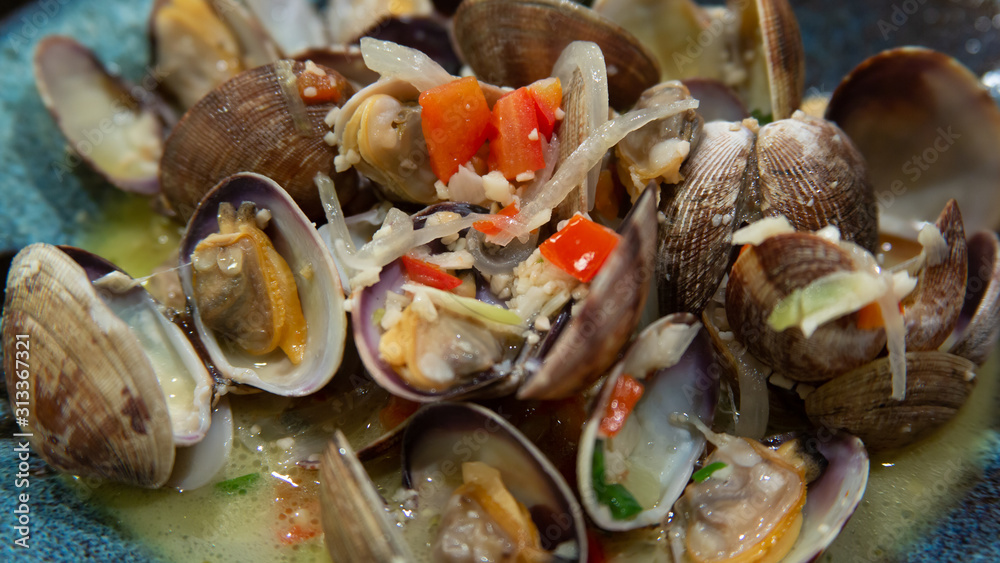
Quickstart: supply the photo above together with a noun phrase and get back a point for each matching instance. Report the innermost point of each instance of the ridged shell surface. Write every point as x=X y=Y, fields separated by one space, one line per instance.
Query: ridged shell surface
x=765 y=274
x=701 y=213
x=95 y=408
x=250 y=124
x=937 y=385
x=810 y=172
x=490 y=34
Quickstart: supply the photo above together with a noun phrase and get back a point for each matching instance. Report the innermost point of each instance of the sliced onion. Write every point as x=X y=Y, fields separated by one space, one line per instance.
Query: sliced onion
x=573 y=171
x=392 y=60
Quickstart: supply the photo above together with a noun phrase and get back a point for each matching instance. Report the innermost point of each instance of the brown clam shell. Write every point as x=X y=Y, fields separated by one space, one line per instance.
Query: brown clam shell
x=773 y=24
x=255 y=122
x=701 y=214
x=492 y=34
x=979 y=322
x=810 y=172
x=589 y=344
x=931 y=310
x=937 y=385
x=929 y=131
x=112 y=428
x=765 y=274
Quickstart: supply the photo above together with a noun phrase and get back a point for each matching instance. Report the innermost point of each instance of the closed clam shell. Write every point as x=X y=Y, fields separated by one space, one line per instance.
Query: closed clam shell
x=95 y=407
x=516 y=42
x=937 y=385
x=979 y=321
x=255 y=122
x=928 y=129
x=931 y=310
x=810 y=172
x=701 y=213
x=766 y=273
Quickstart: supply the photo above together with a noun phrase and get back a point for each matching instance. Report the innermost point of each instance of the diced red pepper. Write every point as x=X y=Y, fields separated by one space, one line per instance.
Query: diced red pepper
x=489 y=227
x=513 y=151
x=398 y=410
x=580 y=248
x=324 y=88
x=627 y=392
x=453 y=117
x=428 y=274
x=547 y=94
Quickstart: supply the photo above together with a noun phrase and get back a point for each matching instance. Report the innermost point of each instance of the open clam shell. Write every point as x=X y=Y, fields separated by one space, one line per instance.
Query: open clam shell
x=117 y=128
x=768 y=272
x=979 y=320
x=753 y=46
x=672 y=359
x=927 y=128
x=199 y=44
x=587 y=346
x=937 y=385
x=441 y=437
x=356 y=524
x=932 y=309
x=367 y=334
x=317 y=283
x=492 y=34
x=718 y=512
x=255 y=122
x=115 y=386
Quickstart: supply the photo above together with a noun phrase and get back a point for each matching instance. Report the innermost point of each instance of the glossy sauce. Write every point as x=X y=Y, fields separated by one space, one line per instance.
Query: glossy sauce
x=907 y=490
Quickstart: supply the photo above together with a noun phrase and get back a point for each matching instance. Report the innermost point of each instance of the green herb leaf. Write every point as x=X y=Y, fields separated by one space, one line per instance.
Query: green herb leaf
x=706 y=472
x=761 y=117
x=615 y=496
x=238 y=485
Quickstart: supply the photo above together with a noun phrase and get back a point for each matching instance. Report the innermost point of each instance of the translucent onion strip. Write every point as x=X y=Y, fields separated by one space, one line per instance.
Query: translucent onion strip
x=396 y=61
x=573 y=171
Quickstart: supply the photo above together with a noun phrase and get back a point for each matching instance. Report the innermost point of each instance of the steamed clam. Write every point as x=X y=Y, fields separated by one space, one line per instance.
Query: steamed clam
x=481 y=490
x=118 y=387
x=267 y=301
x=264 y=292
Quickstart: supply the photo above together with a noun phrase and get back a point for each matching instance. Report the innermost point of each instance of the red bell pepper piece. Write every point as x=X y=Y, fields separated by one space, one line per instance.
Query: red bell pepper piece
x=428 y=274
x=513 y=151
x=547 y=94
x=580 y=248
x=318 y=88
x=489 y=226
x=627 y=392
x=453 y=117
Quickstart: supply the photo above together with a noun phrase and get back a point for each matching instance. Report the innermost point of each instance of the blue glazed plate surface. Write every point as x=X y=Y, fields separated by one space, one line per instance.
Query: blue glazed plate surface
x=44 y=197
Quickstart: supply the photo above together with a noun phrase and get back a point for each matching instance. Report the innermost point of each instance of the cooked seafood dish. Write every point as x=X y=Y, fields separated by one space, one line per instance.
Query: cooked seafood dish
x=500 y=280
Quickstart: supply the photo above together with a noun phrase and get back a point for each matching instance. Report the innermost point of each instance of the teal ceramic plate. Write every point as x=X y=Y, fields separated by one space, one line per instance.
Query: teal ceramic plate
x=939 y=501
